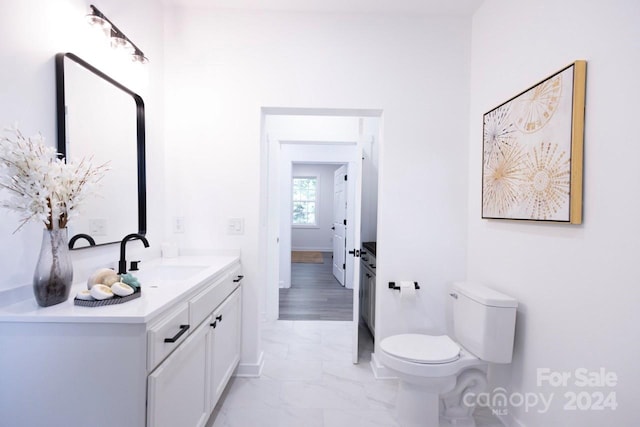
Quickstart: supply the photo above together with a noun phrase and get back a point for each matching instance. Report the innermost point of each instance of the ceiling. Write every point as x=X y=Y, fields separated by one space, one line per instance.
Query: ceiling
x=431 y=7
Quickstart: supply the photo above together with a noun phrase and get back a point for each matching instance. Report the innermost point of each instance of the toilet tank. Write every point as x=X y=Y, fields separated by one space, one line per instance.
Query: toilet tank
x=484 y=321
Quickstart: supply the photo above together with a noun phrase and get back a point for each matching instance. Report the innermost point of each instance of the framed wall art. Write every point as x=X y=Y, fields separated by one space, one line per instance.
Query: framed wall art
x=533 y=150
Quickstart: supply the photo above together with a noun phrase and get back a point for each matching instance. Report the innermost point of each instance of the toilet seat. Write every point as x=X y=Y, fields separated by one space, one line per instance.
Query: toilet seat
x=419 y=348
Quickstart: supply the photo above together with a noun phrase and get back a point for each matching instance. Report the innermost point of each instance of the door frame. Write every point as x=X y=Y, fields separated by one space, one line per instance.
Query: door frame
x=335 y=153
x=269 y=227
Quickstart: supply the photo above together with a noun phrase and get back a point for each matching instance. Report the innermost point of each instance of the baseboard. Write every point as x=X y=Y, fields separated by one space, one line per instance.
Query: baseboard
x=311 y=249
x=251 y=370
x=380 y=372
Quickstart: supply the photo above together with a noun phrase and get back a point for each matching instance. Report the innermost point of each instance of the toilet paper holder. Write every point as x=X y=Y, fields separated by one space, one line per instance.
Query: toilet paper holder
x=392 y=285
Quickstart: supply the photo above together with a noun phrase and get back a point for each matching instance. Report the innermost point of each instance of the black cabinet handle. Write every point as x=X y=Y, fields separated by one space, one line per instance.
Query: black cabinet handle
x=214 y=324
x=238 y=279
x=372 y=265
x=365 y=259
x=219 y=318
x=176 y=337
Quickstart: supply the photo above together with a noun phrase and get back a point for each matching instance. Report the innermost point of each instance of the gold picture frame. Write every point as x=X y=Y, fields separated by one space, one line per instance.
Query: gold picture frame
x=532 y=160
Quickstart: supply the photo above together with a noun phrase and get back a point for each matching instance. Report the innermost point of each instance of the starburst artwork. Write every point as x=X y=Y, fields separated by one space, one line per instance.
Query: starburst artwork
x=532 y=151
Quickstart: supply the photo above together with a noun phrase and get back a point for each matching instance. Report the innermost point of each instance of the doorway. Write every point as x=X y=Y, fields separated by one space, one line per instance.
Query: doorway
x=284 y=145
x=318 y=245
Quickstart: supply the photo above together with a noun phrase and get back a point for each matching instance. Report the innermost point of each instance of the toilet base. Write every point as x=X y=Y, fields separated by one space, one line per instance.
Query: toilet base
x=440 y=402
x=417 y=405
x=457 y=405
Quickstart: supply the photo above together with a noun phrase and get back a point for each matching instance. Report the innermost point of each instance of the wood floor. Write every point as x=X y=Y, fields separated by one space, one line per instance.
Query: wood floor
x=315 y=294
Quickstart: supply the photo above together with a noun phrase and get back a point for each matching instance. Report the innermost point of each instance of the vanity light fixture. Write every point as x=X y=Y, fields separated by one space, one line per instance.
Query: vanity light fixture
x=118 y=39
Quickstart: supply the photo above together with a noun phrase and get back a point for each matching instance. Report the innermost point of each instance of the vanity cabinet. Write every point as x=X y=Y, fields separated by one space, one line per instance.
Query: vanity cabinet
x=184 y=389
x=368 y=290
x=157 y=361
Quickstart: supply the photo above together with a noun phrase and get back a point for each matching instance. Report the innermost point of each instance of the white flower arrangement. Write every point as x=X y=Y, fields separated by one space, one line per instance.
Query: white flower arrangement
x=41 y=185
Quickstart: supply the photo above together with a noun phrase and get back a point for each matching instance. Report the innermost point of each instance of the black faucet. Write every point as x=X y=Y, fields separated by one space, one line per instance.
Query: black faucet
x=122 y=264
x=86 y=237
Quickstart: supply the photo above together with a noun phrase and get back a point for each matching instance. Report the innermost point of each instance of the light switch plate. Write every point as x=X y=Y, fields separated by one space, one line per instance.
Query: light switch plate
x=235 y=226
x=178 y=224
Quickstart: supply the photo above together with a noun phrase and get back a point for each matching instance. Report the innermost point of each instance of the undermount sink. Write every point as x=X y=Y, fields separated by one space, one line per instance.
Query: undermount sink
x=168 y=273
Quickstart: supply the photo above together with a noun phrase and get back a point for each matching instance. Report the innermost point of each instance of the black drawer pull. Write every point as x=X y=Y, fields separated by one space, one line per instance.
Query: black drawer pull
x=214 y=324
x=176 y=337
x=219 y=318
x=238 y=279
x=372 y=265
x=365 y=259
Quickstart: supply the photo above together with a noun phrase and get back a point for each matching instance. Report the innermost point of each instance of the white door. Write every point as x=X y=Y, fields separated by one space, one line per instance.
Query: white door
x=339 y=222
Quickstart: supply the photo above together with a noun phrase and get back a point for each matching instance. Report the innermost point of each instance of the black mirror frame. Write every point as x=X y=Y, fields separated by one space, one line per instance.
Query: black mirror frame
x=140 y=130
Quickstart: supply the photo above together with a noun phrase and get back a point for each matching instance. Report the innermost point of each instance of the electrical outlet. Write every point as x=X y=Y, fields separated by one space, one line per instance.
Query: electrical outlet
x=178 y=224
x=235 y=226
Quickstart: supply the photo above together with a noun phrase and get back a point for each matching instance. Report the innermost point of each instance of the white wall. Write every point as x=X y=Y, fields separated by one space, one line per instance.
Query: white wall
x=33 y=31
x=370 y=166
x=319 y=238
x=226 y=65
x=577 y=286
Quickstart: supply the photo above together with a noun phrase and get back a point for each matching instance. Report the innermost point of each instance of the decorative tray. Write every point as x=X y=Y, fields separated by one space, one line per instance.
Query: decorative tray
x=111 y=301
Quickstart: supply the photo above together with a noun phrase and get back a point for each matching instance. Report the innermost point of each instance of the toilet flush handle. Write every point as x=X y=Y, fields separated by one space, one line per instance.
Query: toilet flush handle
x=453 y=295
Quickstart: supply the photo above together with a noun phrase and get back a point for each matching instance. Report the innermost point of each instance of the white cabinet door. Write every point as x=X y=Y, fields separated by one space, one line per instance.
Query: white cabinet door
x=372 y=304
x=364 y=295
x=176 y=389
x=224 y=344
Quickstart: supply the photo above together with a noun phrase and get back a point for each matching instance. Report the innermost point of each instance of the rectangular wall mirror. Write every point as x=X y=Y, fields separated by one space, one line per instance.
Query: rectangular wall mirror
x=100 y=118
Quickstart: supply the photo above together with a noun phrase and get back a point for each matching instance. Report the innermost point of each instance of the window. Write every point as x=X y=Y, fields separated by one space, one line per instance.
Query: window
x=305 y=201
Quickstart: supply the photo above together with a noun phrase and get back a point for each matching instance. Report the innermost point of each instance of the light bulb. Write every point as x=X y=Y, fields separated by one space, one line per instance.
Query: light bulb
x=118 y=41
x=99 y=22
x=138 y=56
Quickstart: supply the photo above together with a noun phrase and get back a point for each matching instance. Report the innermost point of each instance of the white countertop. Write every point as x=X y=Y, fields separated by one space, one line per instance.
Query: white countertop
x=158 y=293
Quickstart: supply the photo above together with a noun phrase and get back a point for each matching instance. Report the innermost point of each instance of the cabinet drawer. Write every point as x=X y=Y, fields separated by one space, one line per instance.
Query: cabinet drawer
x=166 y=335
x=177 y=389
x=206 y=301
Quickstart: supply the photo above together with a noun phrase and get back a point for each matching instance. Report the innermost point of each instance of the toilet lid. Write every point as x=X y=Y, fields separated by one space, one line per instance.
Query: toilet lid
x=420 y=348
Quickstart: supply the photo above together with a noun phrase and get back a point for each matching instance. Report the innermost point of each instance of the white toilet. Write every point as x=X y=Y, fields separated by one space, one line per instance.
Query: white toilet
x=436 y=372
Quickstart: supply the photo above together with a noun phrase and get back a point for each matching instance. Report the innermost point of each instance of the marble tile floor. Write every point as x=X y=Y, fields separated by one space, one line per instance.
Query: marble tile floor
x=309 y=380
